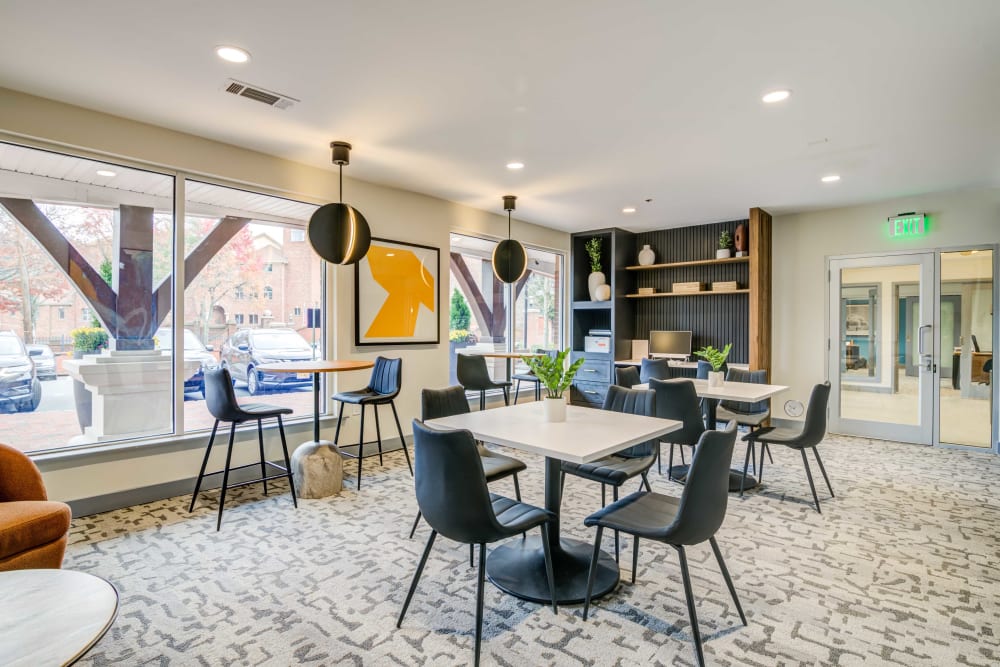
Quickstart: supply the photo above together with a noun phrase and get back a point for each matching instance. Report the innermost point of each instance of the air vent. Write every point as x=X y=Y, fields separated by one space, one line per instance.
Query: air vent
x=271 y=99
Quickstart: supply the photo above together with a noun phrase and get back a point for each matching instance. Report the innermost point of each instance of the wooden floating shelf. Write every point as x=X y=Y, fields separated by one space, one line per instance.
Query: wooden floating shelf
x=701 y=293
x=697 y=262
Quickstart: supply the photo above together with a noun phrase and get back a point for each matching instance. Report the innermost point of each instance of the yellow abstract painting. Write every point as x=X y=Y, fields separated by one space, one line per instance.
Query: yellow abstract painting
x=396 y=287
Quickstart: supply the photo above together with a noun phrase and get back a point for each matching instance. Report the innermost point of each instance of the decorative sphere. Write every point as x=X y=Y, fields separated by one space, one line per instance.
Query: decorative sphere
x=339 y=233
x=509 y=261
x=603 y=292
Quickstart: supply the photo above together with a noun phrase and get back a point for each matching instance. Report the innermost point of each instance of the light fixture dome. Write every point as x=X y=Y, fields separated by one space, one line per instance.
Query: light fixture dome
x=510 y=260
x=338 y=232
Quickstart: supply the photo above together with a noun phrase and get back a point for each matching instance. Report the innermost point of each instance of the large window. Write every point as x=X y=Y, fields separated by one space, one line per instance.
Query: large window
x=480 y=318
x=86 y=271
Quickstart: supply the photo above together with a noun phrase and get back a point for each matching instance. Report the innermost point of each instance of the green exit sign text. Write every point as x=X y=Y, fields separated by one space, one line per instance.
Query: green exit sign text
x=908 y=225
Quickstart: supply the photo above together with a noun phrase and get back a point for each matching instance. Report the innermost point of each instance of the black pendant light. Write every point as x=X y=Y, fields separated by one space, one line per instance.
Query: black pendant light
x=338 y=232
x=509 y=258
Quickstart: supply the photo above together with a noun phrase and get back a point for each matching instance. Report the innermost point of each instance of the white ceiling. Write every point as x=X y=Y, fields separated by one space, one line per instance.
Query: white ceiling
x=607 y=103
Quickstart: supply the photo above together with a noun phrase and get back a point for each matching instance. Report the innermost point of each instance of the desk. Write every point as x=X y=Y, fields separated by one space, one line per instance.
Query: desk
x=316 y=366
x=52 y=617
x=509 y=356
x=518 y=568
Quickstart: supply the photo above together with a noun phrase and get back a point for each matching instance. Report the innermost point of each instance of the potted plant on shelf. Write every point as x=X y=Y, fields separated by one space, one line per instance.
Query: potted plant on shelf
x=725 y=243
x=556 y=378
x=716 y=358
x=596 y=280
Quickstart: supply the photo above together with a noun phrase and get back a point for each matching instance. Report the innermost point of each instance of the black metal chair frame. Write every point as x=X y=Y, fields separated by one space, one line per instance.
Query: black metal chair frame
x=487 y=382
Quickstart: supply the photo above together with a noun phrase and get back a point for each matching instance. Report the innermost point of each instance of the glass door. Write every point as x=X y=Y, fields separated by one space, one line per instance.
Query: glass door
x=882 y=361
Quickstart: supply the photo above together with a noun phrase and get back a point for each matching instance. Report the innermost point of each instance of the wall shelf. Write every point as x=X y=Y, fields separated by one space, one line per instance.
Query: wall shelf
x=592 y=305
x=697 y=262
x=701 y=293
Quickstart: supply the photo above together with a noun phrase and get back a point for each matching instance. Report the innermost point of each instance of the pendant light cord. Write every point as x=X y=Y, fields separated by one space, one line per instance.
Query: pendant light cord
x=341 y=183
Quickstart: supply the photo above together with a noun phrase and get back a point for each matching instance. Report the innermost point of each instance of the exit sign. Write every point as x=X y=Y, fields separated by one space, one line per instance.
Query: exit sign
x=908 y=225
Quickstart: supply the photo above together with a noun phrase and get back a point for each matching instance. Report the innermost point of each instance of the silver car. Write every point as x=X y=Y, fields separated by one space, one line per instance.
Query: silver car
x=45 y=361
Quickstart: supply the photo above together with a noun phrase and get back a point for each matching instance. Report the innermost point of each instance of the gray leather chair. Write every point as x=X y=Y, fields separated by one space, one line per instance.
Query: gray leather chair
x=678 y=400
x=655 y=368
x=627 y=376
x=472 y=374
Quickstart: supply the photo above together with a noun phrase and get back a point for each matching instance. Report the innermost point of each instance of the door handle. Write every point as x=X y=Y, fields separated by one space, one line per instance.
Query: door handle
x=920 y=338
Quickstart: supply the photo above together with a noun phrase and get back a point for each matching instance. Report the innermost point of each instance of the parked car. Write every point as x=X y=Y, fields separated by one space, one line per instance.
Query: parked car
x=20 y=389
x=247 y=349
x=193 y=349
x=45 y=361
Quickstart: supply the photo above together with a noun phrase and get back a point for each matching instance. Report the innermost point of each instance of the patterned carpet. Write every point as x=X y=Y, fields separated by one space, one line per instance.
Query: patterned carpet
x=900 y=569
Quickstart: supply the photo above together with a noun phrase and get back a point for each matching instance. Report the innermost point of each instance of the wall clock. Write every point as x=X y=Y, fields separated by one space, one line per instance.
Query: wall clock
x=793 y=408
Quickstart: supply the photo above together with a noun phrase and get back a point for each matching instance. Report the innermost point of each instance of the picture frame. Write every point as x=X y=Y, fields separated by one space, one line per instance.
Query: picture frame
x=397 y=294
x=856 y=319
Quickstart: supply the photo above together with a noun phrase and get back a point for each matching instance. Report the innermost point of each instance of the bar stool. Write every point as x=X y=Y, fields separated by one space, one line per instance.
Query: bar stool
x=222 y=404
x=383 y=387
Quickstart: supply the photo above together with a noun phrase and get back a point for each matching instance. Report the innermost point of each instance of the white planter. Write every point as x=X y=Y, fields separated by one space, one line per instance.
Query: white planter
x=722 y=253
x=595 y=280
x=716 y=378
x=555 y=409
x=646 y=256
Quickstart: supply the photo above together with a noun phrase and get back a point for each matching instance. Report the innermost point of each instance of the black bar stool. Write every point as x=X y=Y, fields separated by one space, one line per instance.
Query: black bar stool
x=383 y=387
x=222 y=403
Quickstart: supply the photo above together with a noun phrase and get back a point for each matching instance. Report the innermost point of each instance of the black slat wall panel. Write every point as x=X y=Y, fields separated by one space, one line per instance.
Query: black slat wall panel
x=714 y=320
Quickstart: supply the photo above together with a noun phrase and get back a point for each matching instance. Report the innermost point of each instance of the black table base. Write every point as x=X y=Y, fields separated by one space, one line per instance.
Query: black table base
x=518 y=568
x=679 y=474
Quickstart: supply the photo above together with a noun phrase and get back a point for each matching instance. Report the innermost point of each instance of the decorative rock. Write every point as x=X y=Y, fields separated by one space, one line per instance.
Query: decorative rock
x=318 y=469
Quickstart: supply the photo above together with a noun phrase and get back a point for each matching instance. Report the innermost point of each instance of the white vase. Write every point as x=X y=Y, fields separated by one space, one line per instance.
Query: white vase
x=555 y=409
x=716 y=378
x=603 y=293
x=646 y=256
x=722 y=253
x=595 y=280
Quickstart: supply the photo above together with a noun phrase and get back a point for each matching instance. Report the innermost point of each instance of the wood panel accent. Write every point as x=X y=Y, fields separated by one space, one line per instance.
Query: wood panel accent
x=698 y=262
x=760 y=290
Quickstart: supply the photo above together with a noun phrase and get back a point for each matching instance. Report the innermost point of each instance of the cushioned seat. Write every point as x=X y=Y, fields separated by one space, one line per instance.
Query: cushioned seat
x=368 y=396
x=30 y=523
x=262 y=410
x=33 y=530
x=497 y=466
x=516 y=516
x=724 y=415
x=644 y=514
x=611 y=469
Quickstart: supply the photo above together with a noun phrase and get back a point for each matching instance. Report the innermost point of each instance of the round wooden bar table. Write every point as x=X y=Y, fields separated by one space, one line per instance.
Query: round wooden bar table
x=316 y=366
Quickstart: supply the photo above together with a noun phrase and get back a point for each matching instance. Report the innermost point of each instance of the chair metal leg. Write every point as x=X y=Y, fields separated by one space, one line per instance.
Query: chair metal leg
x=659 y=455
x=416 y=522
x=746 y=464
x=378 y=434
x=593 y=571
x=506 y=397
x=517 y=391
x=645 y=482
x=538 y=390
x=482 y=399
x=823 y=470
x=692 y=613
x=769 y=457
x=204 y=463
x=340 y=417
x=260 y=444
x=288 y=462
x=760 y=470
x=548 y=567
x=402 y=440
x=614 y=496
x=683 y=462
x=670 y=463
x=812 y=487
x=480 y=585
x=361 y=444
x=225 y=474
x=725 y=575
x=635 y=556
x=472 y=554
x=416 y=577
x=604 y=496
x=517 y=489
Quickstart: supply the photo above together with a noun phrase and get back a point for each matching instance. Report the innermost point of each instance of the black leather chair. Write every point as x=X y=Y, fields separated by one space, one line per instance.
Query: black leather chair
x=383 y=387
x=678 y=400
x=655 y=368
x=452 y=496
x=627 y=376
x=808 y=437
x=684 y=522
x=618 y=468
x=751 y=415
x=435 y=403
x=222 y=404
x=472 y=374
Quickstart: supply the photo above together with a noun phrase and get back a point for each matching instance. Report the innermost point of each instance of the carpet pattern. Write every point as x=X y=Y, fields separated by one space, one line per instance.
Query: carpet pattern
x=900 y=569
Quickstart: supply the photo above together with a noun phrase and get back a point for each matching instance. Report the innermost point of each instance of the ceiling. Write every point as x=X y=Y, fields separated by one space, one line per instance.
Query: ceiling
x=607 y=103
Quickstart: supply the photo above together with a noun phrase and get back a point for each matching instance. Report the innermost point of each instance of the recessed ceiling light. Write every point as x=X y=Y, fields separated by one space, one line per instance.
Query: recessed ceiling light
x=106 y=172
x=628 y=209
x=515 y=165
x=776 y=96
x=233 y=54
x=832 y=178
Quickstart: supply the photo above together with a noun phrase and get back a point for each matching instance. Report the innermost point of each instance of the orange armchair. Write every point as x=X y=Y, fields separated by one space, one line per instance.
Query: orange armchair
x=33 y=530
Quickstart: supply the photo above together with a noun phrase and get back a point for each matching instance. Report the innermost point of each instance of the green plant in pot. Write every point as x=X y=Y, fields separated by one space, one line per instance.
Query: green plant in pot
x=556 y=377
x=725 y=243
x=717 y=358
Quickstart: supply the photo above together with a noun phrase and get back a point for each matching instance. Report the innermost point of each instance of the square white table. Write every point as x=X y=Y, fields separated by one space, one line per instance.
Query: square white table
x=587 y=434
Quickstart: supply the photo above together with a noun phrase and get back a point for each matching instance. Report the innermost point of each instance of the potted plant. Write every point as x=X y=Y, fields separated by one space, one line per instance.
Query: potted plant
x=596 y=277
x=86 y=340
x=716 y=358
x=725 y=243
x=556 y=378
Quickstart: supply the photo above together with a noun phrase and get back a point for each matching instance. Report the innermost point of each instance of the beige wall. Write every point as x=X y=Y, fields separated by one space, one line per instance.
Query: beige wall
x=392 y=213
x=804 y=241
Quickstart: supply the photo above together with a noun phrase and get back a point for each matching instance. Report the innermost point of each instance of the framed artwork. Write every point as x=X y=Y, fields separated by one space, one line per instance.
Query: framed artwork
x=856 y=319
x=396 y=295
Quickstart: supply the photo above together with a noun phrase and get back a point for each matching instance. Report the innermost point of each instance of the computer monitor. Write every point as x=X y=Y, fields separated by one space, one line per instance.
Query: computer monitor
x=672 y=344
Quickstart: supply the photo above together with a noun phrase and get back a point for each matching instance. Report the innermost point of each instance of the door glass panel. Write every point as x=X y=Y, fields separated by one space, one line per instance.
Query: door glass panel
x=879 y=351
x=966 y=335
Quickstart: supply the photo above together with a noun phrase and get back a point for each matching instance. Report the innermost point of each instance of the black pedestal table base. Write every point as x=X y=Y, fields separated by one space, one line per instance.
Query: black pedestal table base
x=518 y=568
x=679 y=474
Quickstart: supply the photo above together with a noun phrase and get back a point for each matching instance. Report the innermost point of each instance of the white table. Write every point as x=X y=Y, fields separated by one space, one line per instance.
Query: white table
x=587 y=435
x=52 y=617
x=744 y=392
